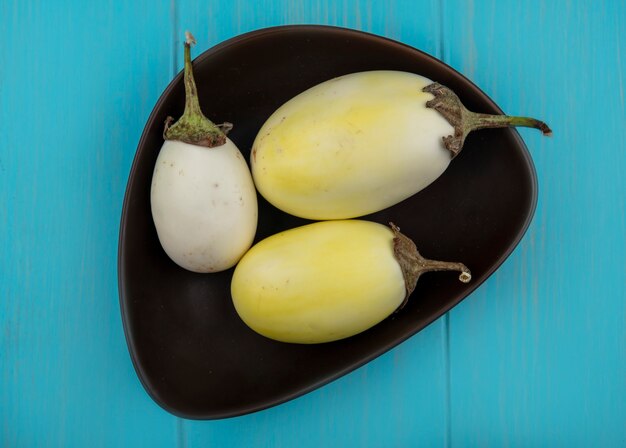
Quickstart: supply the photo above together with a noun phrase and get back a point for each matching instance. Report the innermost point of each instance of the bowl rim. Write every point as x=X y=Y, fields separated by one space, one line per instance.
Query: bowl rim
x=476 y=282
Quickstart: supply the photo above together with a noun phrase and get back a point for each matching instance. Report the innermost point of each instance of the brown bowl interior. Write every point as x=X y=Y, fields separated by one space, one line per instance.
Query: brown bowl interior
x=191 y=351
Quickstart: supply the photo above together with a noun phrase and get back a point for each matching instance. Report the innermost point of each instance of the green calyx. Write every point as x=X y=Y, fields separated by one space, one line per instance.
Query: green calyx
x=193 y=127
x=413 y=265
x=448 y=104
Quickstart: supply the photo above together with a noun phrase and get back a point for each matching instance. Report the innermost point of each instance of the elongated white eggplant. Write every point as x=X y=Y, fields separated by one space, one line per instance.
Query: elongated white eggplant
x=363 y=142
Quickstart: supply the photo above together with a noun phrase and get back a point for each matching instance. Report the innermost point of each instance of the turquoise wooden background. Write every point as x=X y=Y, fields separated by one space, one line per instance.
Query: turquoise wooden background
x=535 y=357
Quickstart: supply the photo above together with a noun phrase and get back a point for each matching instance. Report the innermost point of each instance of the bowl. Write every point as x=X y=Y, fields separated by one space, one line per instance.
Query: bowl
x=192 y=353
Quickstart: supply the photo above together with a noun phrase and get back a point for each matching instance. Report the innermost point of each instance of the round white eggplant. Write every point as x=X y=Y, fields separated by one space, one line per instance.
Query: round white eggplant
x=203 y=205
x=203 y=199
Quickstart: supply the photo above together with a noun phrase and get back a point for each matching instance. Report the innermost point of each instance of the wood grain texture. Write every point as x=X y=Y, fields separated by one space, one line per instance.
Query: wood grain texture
x=78 y=82
x=539 y=352
x=535 y=357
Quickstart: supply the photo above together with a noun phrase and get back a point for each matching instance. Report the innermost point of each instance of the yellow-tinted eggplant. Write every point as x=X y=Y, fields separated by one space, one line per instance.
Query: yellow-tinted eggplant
x=328 y=280
x=363 y=142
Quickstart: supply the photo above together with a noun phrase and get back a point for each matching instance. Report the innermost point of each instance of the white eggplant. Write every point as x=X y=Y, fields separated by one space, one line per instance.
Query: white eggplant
x=362 y=142
x=203 y=199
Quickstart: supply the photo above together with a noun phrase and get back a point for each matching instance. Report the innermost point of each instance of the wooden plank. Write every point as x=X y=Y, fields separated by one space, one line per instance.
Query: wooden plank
x=399 y=398
x=78 y=80
x=538 y=354
x=394 y=401
x=213 y=21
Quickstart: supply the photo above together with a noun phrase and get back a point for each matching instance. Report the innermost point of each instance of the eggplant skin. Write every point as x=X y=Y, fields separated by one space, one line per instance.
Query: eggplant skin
x=351 y=146
x=320 y=282
x=203 y=204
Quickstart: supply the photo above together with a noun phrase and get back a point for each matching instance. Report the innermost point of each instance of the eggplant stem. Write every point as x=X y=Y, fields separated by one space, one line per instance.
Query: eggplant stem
x=448 y=104
x=423 y=265
x=484 y=121
x=193 y=127
x=192 y=104
x=413 y=265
